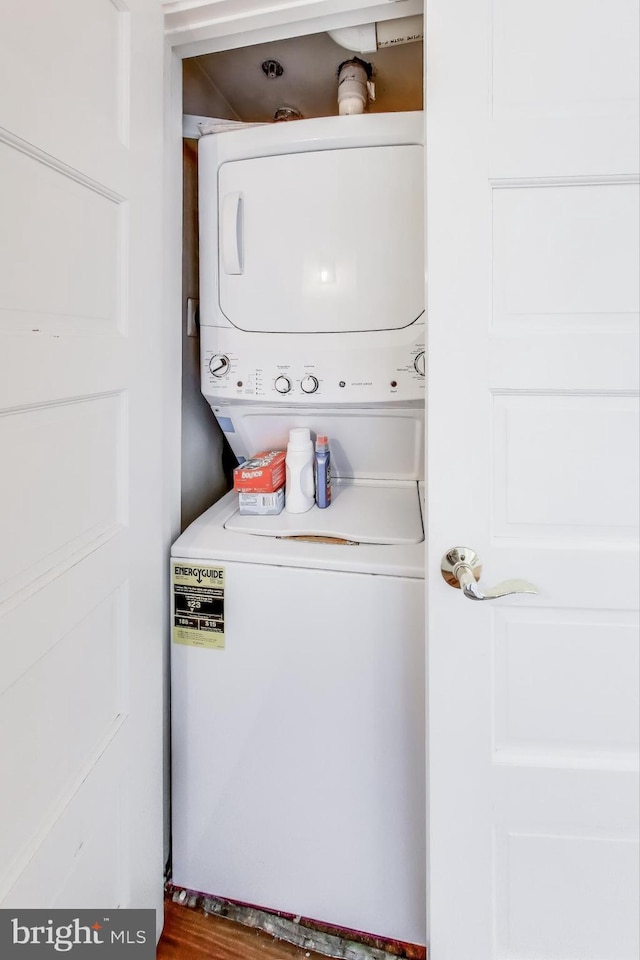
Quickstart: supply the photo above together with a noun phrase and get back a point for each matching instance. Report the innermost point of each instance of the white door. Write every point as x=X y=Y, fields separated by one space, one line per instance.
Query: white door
x=81 y=561
x=532 y=203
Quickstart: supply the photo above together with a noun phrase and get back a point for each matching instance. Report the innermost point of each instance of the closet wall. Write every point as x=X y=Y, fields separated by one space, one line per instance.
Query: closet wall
x=203 y=474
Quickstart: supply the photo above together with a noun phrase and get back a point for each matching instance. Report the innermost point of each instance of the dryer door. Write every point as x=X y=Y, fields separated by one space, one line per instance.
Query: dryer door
x=329 y=241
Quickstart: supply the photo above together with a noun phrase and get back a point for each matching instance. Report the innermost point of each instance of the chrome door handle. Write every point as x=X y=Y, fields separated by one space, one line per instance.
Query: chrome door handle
x=461 y=568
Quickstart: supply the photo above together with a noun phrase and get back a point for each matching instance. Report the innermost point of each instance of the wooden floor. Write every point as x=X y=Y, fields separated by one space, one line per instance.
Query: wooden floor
x=191 y=934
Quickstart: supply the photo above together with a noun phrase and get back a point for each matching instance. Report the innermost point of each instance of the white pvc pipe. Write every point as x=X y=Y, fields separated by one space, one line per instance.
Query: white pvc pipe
x=353 y=89
x=361 y=39
x=405 y=30
x=369 y=37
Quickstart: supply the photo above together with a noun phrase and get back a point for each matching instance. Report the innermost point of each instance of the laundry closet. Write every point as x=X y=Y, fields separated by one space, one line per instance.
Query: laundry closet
x=298 y=711
x=531 y=369
x=532 y=193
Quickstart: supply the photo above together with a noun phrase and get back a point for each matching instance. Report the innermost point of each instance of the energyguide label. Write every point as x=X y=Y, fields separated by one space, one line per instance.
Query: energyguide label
x=198 y=605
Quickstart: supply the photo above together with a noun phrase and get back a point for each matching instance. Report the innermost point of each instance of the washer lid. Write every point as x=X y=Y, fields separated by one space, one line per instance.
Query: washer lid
x=360 y=512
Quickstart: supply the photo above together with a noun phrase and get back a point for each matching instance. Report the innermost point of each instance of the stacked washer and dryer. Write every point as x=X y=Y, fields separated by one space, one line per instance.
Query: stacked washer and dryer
x=298 y=656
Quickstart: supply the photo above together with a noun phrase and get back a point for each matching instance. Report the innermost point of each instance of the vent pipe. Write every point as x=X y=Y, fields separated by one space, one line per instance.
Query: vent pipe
x=355 y=87
x=369 y=37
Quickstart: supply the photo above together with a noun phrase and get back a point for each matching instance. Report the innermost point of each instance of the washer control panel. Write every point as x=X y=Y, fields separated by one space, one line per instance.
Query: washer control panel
x=372 y=368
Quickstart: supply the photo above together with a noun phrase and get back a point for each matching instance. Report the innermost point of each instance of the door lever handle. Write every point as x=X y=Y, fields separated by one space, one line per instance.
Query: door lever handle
x=461 y=568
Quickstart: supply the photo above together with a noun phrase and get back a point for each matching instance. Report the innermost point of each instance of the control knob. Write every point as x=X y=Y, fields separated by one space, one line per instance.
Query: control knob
x=282 y=384
x=219 y=365
x=309 y=384
x=419 y=363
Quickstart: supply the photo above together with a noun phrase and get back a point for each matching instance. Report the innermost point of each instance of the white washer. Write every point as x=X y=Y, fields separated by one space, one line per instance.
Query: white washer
x=299 y=748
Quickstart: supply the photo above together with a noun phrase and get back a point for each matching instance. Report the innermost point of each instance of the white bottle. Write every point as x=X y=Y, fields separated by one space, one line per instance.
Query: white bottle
x=300 y=489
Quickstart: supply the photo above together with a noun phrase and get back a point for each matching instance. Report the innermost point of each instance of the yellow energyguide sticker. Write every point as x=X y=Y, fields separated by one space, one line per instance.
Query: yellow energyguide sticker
x=198 y=605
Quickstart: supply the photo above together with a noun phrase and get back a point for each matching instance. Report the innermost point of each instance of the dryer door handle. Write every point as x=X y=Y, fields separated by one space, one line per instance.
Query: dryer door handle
x=231 y=228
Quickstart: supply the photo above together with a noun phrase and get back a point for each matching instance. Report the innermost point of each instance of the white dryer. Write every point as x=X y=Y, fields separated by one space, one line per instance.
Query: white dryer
x=298 y=655
x=312 y=272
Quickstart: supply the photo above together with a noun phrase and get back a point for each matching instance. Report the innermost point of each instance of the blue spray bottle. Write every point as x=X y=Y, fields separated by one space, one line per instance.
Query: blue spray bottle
x=323 y=472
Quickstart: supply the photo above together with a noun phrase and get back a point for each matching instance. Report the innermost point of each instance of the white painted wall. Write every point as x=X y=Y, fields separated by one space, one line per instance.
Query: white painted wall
x=202 y=476
x=201 y=97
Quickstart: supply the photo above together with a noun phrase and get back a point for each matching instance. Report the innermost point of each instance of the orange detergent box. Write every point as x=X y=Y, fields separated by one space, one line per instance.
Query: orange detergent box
x=263 y=473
